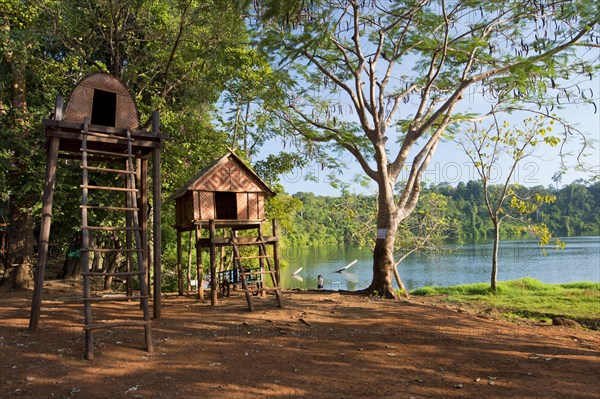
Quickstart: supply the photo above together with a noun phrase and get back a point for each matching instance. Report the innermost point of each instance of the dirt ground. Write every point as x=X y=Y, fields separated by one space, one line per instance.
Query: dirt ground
x=321 y=345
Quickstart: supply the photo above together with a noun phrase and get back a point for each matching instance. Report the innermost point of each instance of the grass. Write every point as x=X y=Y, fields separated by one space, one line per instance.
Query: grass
x=530 y=298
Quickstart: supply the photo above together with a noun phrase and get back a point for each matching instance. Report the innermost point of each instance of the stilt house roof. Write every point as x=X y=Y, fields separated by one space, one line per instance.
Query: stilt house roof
x=228 y=173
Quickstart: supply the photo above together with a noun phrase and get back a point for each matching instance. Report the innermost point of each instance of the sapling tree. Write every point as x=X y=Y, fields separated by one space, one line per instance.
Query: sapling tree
x=385 y=81
x=499 y=148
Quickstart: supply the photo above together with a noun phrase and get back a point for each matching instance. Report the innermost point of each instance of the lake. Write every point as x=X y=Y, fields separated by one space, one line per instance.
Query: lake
x=470 y=263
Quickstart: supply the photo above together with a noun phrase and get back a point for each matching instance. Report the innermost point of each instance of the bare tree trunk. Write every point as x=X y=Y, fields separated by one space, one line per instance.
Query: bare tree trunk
x=495 y=255
x=383 y=263
x=114 y=262
x=383 y=254
x=72 y=265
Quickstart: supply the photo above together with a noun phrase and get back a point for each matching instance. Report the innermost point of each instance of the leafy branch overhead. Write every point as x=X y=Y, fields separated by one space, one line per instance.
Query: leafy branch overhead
x=408 y=64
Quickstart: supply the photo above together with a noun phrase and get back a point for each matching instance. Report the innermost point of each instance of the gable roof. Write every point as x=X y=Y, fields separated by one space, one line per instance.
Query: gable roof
x=228 y=173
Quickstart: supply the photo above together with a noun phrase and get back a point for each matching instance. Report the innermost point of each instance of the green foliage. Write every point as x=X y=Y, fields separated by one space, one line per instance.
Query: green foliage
x=174 y=56
x=349 y=219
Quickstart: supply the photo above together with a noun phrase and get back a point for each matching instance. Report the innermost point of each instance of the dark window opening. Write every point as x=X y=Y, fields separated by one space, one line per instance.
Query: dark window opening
x=226 y=204
x=104 y=108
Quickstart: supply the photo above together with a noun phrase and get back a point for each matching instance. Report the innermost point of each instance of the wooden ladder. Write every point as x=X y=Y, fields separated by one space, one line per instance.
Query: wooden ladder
x=132 y=226
x=246 y=273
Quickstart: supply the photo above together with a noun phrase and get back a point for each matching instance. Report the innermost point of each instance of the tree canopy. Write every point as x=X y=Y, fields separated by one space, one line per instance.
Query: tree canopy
x=386 y=81
x=173 y=56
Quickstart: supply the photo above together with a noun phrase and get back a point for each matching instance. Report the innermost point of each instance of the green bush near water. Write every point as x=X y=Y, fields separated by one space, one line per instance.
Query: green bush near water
x=530 y=298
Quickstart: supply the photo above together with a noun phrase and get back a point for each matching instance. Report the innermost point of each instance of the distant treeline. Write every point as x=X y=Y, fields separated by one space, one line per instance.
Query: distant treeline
x=349 y=218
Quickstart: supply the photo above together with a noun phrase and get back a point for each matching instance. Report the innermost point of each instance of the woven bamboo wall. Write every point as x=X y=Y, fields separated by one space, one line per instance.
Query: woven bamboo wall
x=80 y=102
x=200 y=205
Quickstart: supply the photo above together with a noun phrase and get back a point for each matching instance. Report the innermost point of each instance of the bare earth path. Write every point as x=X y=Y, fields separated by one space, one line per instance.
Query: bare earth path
x=322 y=345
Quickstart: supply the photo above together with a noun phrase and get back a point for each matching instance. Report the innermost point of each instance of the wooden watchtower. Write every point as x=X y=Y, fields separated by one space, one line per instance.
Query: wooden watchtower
x=228 y=195
x=101 y=126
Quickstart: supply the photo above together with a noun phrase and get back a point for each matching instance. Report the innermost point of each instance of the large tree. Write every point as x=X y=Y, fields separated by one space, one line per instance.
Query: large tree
x=172 y=55
x=386 y=80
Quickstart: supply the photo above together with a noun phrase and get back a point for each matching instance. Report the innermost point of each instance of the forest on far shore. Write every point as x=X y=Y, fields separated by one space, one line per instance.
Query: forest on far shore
x=349 y=218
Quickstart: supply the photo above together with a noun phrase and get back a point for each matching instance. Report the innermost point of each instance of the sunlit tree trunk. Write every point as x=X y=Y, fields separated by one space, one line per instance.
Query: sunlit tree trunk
x=383 y=255
x=387 y=225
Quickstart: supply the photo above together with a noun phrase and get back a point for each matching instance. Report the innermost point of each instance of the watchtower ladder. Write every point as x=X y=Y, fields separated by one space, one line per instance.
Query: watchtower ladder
x=247 y=273
x=132 y=249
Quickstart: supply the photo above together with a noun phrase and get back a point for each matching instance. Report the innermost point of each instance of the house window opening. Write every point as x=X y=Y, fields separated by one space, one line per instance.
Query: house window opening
x=226 y=205
x=104 y=108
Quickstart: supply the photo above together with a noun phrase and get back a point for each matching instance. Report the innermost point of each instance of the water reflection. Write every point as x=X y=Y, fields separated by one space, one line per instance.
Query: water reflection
x=579 y=261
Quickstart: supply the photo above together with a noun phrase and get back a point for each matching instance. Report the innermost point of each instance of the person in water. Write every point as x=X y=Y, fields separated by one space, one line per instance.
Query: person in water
x=320 y=282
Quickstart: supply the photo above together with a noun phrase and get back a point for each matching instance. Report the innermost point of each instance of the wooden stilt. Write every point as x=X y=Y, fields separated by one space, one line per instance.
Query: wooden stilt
x=275 y=226
x=261 y=261
x=189 y=260
x=129 y=203
x=44 y=238
x=199 y=270
x=156 y=195
x=138 y=247
x=142 y=176
x=179 y=266
x=213 y=263
x=221 y=258
x=243 y=275
x=85 y=245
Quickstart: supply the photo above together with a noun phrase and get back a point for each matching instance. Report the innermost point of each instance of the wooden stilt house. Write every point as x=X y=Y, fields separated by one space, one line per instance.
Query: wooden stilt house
x=226 y=190
x=227 y=194
x=101 y=126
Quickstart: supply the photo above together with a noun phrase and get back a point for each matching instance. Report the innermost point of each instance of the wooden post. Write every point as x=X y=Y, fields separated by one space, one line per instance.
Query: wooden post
x=179 y=267
x=199 y=270
x=142 y=184
x=221 y=257
x=129 y=201
x=44 y=233
x=276 y=251
x=189 y=260
x=261 y=262
x=85 y=245
x=213 y=263
x=240 y=269
x=156 y=195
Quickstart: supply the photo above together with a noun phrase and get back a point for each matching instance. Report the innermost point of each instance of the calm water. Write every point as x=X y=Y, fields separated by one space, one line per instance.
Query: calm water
x=471 y=263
